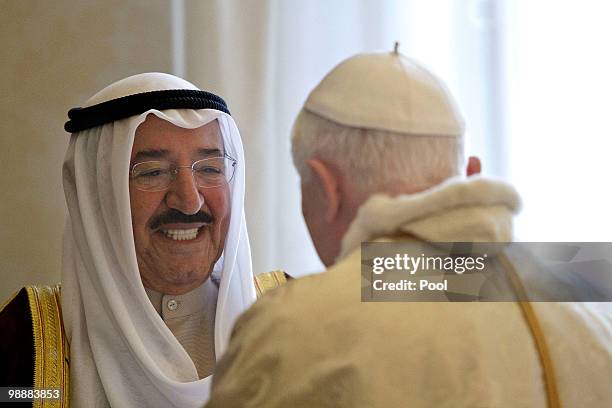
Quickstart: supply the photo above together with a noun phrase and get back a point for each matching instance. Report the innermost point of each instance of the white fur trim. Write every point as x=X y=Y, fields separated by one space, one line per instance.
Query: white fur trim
x=480 y=207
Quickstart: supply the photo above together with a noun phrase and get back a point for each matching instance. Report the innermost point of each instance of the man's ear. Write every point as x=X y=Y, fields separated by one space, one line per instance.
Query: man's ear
x=473 y=166
x=326 y=178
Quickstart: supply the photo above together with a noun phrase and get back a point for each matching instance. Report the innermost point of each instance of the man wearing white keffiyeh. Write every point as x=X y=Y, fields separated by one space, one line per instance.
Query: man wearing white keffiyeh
x=120 y=237
x=156 y=262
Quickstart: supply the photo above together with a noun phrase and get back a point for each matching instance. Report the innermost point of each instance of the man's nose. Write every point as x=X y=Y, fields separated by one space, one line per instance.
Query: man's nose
x=183 y=193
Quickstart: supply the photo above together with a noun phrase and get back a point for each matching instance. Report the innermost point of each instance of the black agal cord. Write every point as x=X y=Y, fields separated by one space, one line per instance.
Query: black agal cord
x=126 y=106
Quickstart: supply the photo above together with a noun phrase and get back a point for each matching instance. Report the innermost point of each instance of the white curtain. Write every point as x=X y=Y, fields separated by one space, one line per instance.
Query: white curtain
x=264 y=56
x=559 y=118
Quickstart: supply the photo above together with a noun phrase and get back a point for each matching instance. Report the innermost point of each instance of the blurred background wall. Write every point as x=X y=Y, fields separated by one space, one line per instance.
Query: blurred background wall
x=531 y=77
x=54 y=55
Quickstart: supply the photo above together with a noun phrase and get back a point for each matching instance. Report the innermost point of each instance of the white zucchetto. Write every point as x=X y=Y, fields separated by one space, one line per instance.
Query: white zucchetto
x=402 y=96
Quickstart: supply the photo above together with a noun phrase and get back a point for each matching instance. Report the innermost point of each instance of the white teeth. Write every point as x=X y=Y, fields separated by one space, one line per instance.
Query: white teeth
x=181 y=234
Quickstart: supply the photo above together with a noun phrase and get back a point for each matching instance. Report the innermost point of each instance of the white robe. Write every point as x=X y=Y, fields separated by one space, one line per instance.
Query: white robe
x=314 y=343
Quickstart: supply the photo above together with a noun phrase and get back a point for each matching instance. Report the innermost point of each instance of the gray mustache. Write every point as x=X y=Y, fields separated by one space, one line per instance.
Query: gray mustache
x=175 y=216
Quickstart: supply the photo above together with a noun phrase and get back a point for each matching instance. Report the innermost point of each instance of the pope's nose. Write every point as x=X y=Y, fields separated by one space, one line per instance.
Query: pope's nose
x=183 y=194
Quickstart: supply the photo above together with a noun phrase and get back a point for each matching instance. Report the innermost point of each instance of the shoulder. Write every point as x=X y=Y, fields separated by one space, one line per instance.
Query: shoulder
x=34 y=348
x=278 y=295
x=288 y=317
x=307 y=297
x=269 y=341
x=17 y=344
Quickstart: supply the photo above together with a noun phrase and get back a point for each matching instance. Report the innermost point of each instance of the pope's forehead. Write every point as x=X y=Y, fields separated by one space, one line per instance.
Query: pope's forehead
x=157 y=133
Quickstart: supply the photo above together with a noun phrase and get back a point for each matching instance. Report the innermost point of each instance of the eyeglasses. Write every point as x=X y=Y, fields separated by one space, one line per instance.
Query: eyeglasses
x=207 y=173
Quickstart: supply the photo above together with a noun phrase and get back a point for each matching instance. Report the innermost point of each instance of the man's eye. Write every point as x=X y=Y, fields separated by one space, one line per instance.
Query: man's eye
x=152 y=173
x=209 y=170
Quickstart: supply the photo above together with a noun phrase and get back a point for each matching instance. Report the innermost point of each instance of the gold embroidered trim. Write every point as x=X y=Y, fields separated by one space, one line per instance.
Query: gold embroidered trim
x=550 y=382
x=50 y=345
x=269 y=280
x=65 y=350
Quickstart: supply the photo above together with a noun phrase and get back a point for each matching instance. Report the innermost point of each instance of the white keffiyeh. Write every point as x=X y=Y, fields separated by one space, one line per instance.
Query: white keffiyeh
x=121 y=352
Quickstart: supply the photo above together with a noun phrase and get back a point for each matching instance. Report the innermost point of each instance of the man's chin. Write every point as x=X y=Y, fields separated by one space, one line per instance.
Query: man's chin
x=176 y=266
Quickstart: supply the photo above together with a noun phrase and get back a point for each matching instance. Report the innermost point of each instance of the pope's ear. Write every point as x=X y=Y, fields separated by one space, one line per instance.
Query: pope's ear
x=474 y=166
x=326 y=178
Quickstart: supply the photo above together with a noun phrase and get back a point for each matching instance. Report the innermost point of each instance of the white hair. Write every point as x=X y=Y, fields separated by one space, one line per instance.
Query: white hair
x=375 y=160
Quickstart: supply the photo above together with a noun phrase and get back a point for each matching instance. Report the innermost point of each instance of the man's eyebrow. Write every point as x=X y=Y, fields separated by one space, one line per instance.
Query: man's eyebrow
x=210 y=152
x=150 y=154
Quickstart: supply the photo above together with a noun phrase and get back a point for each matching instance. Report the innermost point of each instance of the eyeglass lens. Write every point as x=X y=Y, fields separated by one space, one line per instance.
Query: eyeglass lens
x=157 y=175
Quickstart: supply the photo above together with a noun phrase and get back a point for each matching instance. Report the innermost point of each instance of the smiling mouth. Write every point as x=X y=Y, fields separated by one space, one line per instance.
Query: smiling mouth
x=181 y=234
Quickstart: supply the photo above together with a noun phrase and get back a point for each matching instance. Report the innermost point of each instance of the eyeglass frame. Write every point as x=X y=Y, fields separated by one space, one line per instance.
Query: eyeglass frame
x=174 y=171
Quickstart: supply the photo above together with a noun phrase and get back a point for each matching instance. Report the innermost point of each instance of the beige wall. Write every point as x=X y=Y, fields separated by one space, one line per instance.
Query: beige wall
x=53 y=56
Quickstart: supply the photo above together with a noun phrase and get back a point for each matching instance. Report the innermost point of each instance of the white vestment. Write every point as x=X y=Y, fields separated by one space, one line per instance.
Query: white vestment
x=314 y=343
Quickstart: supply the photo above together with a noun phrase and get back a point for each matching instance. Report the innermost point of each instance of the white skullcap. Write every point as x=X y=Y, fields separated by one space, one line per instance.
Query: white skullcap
x=386 y=91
